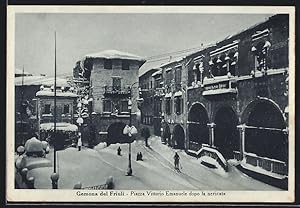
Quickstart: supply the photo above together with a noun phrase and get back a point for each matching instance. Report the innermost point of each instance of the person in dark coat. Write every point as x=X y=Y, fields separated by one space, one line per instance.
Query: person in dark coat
x=139 y=156
x=146 y=134
x=176 y=161
x=119 y=151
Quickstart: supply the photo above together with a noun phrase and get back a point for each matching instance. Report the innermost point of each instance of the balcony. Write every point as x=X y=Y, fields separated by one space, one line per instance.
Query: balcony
x=116 y=91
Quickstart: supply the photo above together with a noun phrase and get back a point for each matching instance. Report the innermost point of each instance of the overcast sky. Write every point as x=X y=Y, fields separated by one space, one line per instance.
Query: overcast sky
x=141 y=34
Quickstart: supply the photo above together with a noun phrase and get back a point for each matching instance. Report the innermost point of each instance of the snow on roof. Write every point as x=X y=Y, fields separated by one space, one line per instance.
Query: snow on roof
x=157 y=73
x=59 y=127
x=40 y=80
x=58 y=94
x=163 y=61
x=20 y=72
x=168 y=95
x=115 y=54
x=178 y=93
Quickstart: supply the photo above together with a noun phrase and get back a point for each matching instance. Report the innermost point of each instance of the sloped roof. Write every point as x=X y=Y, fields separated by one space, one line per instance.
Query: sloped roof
x=59 y=127
x=40 y=80
x=163 y=61
x=58 y=94
x=115 y=54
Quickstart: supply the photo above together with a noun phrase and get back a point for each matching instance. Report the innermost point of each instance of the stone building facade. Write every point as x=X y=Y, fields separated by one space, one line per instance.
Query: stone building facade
x=233 y=97
x=174 y=105
x=147 y=91
x=26 y=87
x=113 y=81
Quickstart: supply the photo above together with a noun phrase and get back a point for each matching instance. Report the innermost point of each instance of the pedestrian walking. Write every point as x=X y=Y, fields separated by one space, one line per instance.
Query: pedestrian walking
x=176 y=161
x=119 y=151
x=79 y=143
x=139 y=156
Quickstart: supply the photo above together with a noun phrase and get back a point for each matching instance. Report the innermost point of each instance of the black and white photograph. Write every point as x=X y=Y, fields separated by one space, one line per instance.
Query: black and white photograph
x=158 y=104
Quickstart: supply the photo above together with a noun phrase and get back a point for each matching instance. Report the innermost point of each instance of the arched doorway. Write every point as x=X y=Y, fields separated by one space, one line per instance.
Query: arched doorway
x=264 y=135
x=166 y=134
x=178 y=137
x=197 y=124
x=226 y=133
x=115 y=133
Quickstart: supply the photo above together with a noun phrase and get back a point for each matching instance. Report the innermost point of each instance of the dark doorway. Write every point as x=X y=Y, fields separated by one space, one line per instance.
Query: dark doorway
x=268 y=140
x=178 y=137
x=197 y=124
x=115 y=133
x=166 y=134
x=226 y=133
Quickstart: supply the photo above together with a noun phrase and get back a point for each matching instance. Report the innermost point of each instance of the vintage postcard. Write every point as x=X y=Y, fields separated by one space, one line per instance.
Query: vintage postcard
x=150 y=104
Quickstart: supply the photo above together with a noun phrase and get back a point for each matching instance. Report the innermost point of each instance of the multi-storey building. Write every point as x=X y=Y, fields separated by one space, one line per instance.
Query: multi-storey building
x=146 y=85
x=158 y=99
x=237 y=99
x=65 y=105
x=174 y=119
x=26 y=86
x=113 y=81
x=229 y=100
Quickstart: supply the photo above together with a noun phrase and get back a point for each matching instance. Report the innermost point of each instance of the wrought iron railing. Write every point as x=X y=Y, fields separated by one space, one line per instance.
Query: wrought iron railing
x=116 y=90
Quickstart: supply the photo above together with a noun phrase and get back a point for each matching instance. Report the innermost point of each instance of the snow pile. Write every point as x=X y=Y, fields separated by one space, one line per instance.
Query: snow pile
x=219 y=169
x=100 y=146
x=220 y=156
x=33 y=145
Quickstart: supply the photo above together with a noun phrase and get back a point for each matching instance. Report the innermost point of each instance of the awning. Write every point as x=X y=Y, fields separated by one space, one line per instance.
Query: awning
x=59 y=127
x=178 y=93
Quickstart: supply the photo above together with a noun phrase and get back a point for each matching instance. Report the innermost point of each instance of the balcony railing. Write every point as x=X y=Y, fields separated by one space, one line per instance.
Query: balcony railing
x=113 y=90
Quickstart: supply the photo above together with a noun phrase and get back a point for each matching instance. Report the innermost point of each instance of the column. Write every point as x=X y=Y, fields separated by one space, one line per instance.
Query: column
x=242 y=130
x=211 y=134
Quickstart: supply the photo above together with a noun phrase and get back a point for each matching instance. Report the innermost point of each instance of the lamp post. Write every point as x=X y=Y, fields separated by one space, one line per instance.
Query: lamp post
x=79 y=119
x=130 y=130
x=129 y=171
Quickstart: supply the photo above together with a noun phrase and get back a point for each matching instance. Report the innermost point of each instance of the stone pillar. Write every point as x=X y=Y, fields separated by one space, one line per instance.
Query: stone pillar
x=211 y=134
x=242 y=130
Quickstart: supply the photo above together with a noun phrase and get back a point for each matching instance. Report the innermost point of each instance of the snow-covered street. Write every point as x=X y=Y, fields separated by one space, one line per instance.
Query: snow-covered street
x=156 y=171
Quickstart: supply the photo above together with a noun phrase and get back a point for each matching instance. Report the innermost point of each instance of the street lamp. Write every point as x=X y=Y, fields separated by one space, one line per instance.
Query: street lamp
x=130 y=130
x=79 y=119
